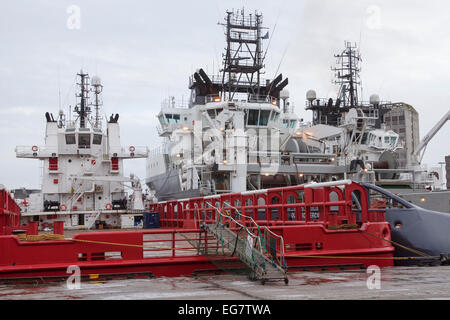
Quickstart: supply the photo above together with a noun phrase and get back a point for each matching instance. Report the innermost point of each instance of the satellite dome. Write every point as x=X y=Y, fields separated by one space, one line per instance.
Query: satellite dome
x=374 y=99
x=284 y=94
x=311 y=95
x=96 y=81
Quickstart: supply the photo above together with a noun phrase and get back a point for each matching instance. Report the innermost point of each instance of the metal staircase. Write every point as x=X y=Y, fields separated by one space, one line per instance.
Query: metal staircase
x=259 y=249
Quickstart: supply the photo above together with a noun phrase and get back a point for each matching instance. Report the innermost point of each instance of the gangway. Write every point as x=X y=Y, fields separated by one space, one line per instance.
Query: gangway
x=260 y=249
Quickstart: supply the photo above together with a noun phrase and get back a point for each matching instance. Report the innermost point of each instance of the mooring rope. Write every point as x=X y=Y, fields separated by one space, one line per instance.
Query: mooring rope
x=398 y=244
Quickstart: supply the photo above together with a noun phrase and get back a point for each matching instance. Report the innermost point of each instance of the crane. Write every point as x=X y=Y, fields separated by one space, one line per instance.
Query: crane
x=418 y=154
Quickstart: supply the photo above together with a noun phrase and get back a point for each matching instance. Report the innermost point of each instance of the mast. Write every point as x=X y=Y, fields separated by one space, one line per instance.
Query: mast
x=243 y=63
x=97 y=89
x=243 y=56
x=82 y=108
x=347 y=75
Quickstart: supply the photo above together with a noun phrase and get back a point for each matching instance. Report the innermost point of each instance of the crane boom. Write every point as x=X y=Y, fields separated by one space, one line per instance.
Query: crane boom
x=423 y=144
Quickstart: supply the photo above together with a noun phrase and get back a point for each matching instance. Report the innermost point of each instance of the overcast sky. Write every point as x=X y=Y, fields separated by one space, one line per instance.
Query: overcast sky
x=145 y=51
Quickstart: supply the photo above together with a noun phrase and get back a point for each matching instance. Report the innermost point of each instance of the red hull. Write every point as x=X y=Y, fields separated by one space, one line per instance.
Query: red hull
x=334 y=238
x=40 y=259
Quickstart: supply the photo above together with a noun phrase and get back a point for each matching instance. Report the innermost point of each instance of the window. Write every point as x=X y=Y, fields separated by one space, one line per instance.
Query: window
x=293 y=123
x=70 y=139
x=97 y=139
x=276 y=116
x=285 y=123
x=393 y=140
x=172 y=118
x=253 y=117
x=264 y=118
x=212 y=113
x=364 y=138
x=84 y=141
x=386 y=139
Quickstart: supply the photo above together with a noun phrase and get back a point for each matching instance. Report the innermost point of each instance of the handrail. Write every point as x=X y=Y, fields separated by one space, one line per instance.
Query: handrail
x=266 y=229
x=231 y=218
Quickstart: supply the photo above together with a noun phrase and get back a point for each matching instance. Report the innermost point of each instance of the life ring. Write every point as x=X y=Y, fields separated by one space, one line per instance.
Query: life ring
x=34 y=148
x=132 y=149
x=63 y=207
x=108 y=206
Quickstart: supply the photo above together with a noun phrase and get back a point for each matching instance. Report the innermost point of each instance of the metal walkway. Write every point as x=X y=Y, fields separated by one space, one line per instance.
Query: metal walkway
x=261 y=250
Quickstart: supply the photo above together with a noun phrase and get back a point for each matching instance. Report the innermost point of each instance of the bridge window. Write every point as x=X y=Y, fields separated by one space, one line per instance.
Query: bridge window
x=277 y=115
x=173 y=118
x=253 y=116
x=84 y=141
x=97 y=139
x=264 y=117
x=70 y=139
x=293 y=123
x=162 y=120
x=364 y=138
x=212 y=113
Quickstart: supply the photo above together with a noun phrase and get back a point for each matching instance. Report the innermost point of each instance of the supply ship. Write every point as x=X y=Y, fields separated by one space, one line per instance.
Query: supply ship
x=242 y=185
x=82 y=180
x=239 y=132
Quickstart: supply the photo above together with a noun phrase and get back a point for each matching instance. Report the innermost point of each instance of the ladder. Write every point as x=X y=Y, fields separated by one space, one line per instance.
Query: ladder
x=261 y=250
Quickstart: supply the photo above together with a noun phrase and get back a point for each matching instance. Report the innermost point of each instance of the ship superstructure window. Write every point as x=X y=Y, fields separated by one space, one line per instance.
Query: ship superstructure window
x=277 y=115
x=285 y=123
x=84 y=141
x=264 y=117
x=70 y=139
x=253 y=116
x=97 y=139
x=173 y=118
x=212 y=113
x=364 y=138
x=293 y=123
x=162 y=120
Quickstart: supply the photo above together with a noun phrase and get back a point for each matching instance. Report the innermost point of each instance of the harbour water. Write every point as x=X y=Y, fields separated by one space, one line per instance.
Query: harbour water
x=396 y=283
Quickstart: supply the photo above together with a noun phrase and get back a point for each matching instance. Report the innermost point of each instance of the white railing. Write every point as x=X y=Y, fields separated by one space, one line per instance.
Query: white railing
x=35 y=151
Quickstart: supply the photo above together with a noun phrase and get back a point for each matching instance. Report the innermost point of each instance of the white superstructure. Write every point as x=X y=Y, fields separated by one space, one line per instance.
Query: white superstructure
x=239 y=132
x=83 y=180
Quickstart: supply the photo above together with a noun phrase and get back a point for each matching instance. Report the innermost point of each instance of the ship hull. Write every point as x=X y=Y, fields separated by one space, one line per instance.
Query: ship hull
x=421 y=230
x=167 y=186
x=53 y=260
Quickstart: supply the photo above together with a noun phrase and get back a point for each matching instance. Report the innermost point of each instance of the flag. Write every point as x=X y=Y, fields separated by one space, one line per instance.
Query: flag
x=266 y=36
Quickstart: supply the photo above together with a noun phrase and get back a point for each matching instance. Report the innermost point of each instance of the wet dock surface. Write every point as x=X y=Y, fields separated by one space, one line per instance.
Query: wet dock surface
x=397 y=283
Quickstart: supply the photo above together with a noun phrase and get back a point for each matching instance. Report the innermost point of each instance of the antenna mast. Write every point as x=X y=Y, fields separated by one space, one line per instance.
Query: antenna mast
x=82 y=108
x=243 y=59
x=347 y=75
x=98 y=88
